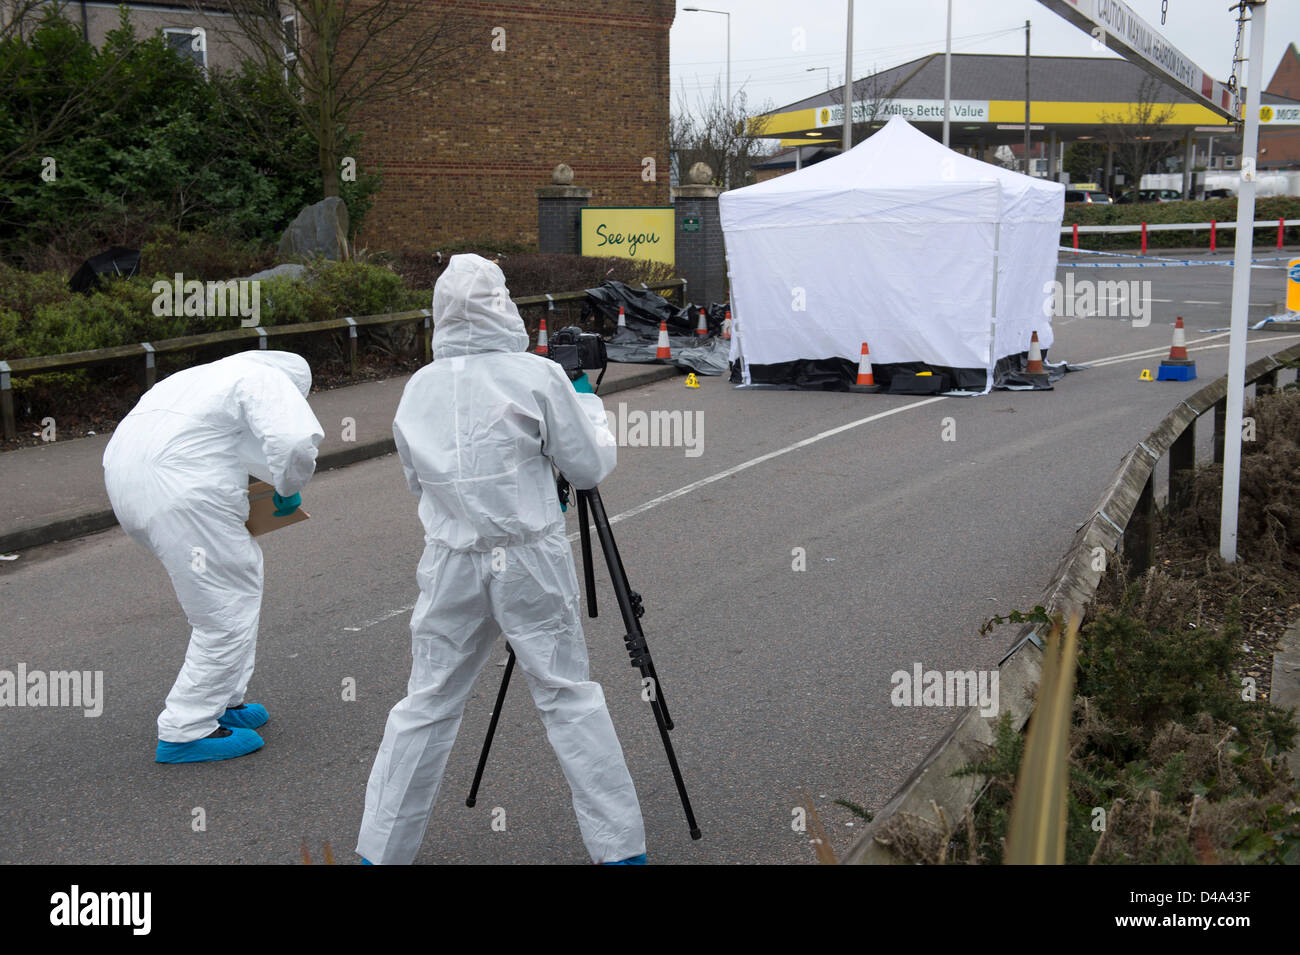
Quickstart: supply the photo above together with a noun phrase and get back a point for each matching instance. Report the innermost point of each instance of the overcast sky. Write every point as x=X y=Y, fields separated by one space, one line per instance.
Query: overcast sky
x=890 y=32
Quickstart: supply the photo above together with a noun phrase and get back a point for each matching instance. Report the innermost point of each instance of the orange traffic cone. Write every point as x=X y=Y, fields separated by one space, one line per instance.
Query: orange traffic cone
x=866 y=383
x=1177 y=367
x=703 y=327
x=726 y=326
x=663 y=351
x=541 y=338
x=1035 y=364
x=622 y=319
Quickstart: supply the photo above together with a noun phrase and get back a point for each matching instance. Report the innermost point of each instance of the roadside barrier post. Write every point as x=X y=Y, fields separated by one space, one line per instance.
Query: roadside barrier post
x=352 y=346
x=1182 y=464
x=1139 y=538
x=150 y=377
x=1220 y=428
x=7 y=403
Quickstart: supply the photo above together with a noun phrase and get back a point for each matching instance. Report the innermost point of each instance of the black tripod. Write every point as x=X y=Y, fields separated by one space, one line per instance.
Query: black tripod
x=629 y=603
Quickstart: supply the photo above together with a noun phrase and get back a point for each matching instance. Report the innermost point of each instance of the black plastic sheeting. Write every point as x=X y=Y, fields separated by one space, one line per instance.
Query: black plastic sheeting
x=639 y=341
x=836 y=374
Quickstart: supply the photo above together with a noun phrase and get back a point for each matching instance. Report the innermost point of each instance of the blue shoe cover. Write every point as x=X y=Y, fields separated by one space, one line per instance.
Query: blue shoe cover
x=631 y=860
x=249 y=716
x=365 y=861
x=240 y=742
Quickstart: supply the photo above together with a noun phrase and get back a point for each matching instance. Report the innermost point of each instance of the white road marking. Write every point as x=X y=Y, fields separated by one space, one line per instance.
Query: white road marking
x=721 y=475
x=1148 y=352
x=695 y=485
x=1164 y=351
x=388 y=616
x=1193 y=302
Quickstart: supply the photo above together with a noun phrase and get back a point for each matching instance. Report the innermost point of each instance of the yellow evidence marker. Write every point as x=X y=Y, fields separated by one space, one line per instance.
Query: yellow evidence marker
x=692 y=381
x=1146 y=375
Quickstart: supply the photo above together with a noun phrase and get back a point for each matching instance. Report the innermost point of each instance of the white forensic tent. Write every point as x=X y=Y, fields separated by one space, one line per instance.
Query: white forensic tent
x=901 y=243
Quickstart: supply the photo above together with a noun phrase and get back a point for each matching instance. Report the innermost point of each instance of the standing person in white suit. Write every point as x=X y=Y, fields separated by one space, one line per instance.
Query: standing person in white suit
x=177 y=472
x=477 y=432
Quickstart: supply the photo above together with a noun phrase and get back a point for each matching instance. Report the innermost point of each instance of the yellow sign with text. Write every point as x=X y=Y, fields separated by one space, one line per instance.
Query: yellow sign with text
x=1293 y=286
x=630 y=232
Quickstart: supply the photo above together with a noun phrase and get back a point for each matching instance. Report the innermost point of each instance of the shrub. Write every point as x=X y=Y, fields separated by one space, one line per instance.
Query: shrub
x=205 y=254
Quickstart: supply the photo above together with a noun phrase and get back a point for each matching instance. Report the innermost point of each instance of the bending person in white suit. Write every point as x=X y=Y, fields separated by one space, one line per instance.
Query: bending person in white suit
x=477 y=432
x=177 y=472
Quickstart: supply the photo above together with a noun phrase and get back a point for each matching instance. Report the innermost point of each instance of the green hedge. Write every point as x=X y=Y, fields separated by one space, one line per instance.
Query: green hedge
x=40 y=316
x=1218 y=210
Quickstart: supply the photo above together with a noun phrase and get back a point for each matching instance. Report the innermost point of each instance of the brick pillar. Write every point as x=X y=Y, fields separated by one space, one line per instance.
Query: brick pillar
x=558 y=213
x=701 y=254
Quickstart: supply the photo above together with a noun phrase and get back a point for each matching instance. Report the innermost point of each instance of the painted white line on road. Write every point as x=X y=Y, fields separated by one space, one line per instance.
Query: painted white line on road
x=696 y=485
x=712 y=478
x=1148 y=352
x=1193 y=302
x=388 y=616
x=1164 y=351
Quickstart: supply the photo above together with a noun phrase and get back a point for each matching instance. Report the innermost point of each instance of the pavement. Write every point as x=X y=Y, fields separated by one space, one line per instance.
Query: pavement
x=56 y=492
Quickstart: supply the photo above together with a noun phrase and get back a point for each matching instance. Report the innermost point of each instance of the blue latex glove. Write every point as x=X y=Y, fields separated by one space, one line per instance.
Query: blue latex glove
x=582 y=385
x=284 y=506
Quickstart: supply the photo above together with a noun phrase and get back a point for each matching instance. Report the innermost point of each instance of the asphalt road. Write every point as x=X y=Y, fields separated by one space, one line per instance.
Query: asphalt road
x=779 y=679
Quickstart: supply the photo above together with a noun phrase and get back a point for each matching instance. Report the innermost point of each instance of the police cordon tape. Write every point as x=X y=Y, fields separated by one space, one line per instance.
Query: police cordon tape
x=1150 y=262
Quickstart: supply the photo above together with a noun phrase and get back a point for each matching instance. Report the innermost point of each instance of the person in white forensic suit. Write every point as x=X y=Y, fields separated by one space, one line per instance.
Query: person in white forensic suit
x=477 y=432
x=177 y=472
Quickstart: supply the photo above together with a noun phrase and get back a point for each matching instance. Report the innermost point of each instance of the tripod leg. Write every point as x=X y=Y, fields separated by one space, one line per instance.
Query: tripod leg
x=492 y=728
x=637 y=648
x=628 y=603
x=588 y=570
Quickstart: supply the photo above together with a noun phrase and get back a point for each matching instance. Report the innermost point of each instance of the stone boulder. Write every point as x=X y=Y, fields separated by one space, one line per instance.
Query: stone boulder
x=320 y=229
x=290 y=270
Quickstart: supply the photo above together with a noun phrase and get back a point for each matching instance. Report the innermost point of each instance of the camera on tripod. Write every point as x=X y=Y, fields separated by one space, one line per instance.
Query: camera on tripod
x=577 y=351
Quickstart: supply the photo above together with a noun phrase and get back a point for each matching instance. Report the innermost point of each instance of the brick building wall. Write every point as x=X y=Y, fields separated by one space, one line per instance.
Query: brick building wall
x=580 y=82
x=1282 y=148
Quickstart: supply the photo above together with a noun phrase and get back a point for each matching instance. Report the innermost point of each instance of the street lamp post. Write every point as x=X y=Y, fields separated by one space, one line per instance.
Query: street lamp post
x=947 y=76
x=814 y=69
x=727 y=14
x=846 y=135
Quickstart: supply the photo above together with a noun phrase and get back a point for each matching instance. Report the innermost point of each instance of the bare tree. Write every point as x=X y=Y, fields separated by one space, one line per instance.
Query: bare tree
x=871 y=96
x=1139 y=135
x=342 y=55
x=725 y=136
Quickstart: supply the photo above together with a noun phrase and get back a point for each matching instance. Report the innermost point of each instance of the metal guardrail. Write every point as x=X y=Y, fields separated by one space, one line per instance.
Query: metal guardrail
x=147 y=351
x=1177 y=226
x=1123 y=522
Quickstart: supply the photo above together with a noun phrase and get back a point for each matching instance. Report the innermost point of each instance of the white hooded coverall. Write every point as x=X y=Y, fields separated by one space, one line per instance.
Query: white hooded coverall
x=477 y=432
x=177 y=472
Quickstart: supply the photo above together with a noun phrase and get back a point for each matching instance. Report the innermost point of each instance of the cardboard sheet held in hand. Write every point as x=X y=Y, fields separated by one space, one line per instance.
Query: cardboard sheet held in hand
x=261 y=511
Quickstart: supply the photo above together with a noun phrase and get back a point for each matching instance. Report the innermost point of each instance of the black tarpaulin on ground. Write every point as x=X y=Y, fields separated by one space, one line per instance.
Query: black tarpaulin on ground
x=643 y=310
x=836 y=374
x=116 y=261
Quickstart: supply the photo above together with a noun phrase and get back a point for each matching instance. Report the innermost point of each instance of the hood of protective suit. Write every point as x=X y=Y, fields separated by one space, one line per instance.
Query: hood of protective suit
x=295 y=366
x=472 y=311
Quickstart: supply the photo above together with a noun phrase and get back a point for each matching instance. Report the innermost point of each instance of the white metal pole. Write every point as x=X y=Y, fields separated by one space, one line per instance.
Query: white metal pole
x=947 y=75
x=726 y=181
x=846 y=136
x=1241 y=292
